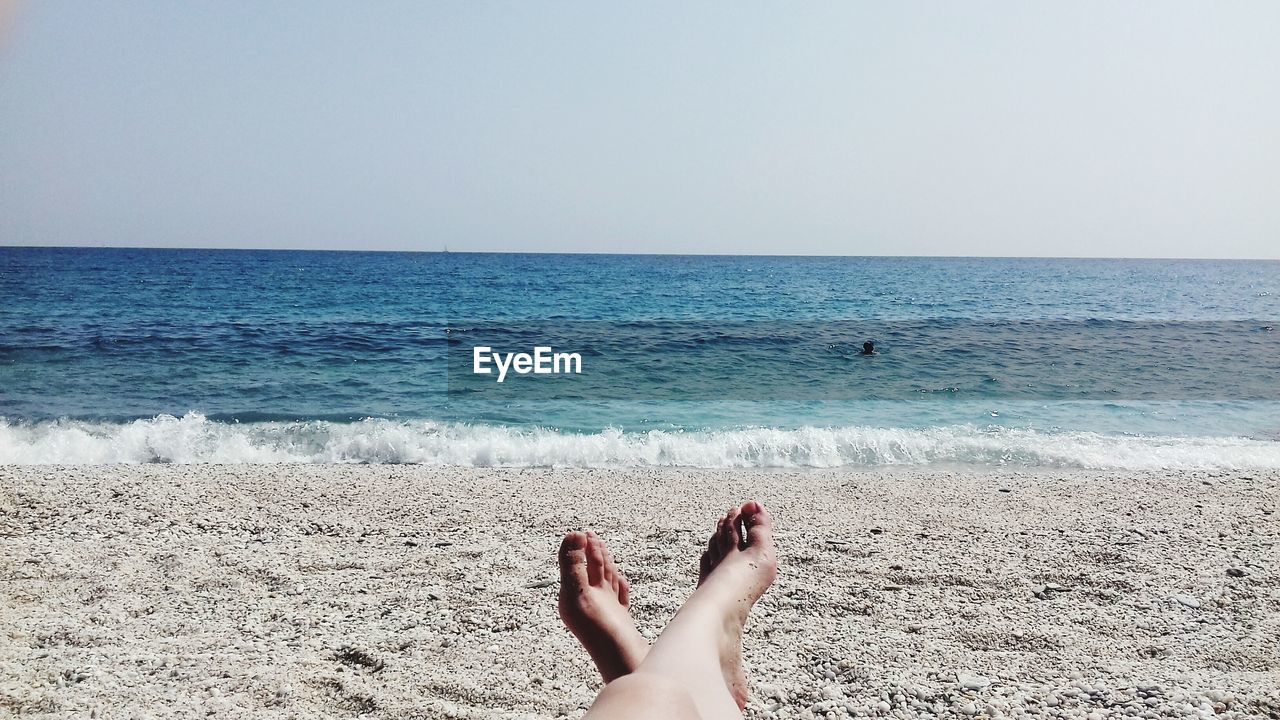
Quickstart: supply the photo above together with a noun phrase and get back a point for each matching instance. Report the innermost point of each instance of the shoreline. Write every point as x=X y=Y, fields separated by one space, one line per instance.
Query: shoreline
x=195 y=439
x=414 y=591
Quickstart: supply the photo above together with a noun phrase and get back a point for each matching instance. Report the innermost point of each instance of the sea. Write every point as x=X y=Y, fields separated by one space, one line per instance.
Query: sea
x=246 y=356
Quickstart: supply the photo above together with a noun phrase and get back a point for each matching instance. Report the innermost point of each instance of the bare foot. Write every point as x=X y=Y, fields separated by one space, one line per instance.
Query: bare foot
x=594 y=597
x=738 y=566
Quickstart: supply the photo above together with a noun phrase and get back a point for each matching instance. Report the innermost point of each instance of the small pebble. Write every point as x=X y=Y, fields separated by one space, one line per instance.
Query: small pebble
x=976 y=682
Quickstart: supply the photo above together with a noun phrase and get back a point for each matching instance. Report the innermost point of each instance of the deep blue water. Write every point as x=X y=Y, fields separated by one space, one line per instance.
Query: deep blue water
x=193 y=355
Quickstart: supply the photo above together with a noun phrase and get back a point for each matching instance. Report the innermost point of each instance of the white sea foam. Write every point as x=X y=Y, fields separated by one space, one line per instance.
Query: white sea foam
x=195 y=439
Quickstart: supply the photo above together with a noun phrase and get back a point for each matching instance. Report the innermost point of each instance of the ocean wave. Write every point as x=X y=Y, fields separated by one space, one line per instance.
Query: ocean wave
x=195 y=439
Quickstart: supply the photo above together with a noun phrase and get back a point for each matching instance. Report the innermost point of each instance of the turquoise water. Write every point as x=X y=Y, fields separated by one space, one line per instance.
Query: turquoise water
x=247 y=356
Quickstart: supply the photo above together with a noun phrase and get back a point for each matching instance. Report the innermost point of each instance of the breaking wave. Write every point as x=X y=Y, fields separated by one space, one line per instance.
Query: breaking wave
x=196 y=439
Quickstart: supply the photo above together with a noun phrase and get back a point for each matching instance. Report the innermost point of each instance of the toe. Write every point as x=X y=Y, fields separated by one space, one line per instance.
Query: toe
x=757 y=524
x=573 y=561
x=732 y=528
x=624 y=591
x=595 y=560
x=610 y=570
x=713 y=542
x=725 y=532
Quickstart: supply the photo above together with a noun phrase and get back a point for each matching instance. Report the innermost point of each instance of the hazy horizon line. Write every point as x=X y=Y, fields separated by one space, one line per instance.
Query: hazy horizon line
x=637 y=254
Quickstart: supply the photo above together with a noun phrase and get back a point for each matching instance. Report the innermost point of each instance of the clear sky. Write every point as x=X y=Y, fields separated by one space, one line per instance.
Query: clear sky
x=1138 y=129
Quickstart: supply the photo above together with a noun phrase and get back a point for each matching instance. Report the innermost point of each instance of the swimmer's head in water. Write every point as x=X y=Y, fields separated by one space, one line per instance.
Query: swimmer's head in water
x=868 y=348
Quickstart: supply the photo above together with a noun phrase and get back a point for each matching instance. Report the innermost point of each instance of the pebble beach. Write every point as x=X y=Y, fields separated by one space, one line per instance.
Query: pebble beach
x=398 y=591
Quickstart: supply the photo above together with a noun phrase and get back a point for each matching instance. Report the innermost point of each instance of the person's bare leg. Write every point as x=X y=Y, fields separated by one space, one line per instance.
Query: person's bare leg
x=644 y=696
x=594 y=597
x=698 y=657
